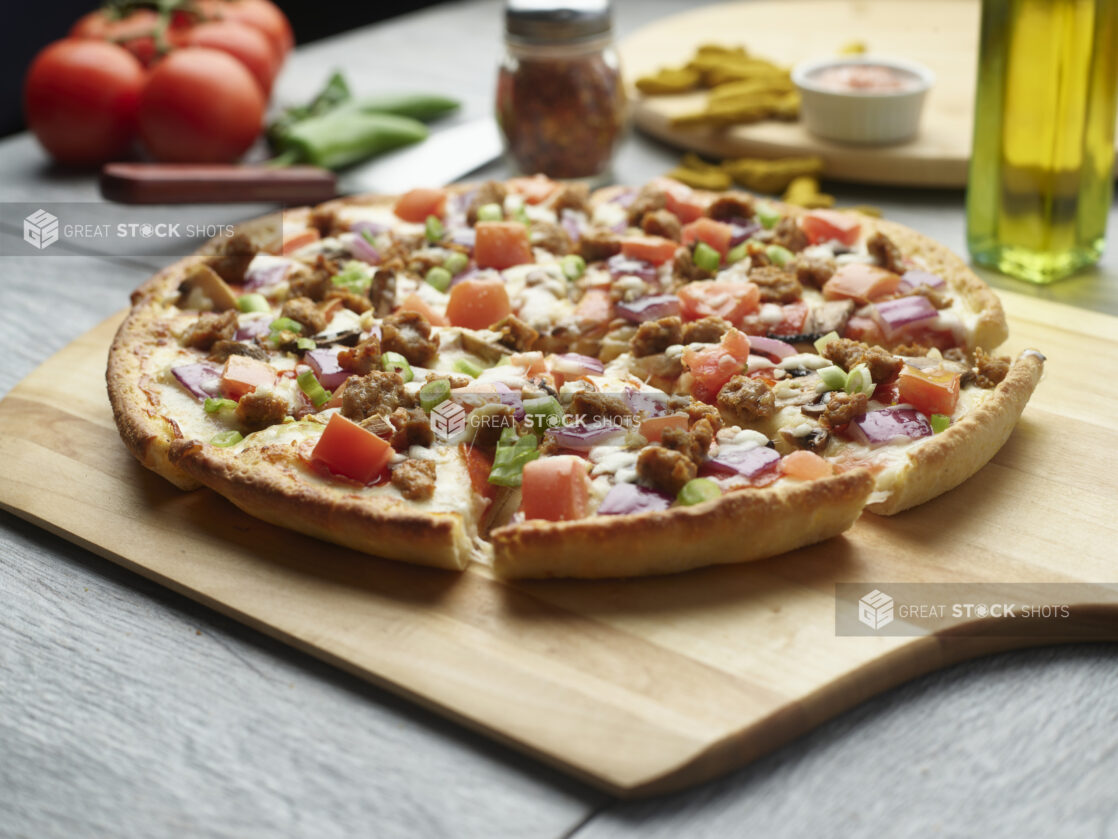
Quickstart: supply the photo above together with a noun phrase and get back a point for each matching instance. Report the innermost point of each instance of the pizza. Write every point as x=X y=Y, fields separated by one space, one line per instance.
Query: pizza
x=560 y=383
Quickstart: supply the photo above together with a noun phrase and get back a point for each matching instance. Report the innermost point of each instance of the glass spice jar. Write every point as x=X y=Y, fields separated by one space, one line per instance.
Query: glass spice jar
x=560 y=98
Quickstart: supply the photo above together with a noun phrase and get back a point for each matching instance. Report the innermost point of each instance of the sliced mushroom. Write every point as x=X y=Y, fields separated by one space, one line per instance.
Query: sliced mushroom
x=488 y=351
x=203 y=289
x=347 y=337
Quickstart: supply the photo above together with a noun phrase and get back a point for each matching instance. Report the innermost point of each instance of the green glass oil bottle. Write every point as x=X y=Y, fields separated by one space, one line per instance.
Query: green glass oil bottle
x=1042 y=160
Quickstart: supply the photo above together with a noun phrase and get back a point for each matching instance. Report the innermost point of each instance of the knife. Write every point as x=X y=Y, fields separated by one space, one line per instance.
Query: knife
x=445 y=156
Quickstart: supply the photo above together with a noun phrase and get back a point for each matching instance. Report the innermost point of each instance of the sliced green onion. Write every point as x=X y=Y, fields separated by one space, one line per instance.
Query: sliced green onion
x=285 y=325
x=706 y=257
x=490 y=212
x=574 y=266
x=393 y=362
x=212 y=406
x=737 y=253
x=355 y=276
x=542 y=413
x=858 y=380
x=698 y=490
x=226 y=438
x=456 y=263
x=939 y=423
x=821 y=344
x=434 y=393
x=305 y=343
x=434 y=230
x=439 y=278
x=512 y=453
x=778 y=255
x=468 y=367
x=253 y=303
x=833 y=377
x=767 y=215
x=310 y=385
x=367 y=235
x=521 y=215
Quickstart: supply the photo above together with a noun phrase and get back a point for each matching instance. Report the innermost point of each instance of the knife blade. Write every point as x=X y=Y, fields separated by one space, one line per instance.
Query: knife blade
x=446 y=155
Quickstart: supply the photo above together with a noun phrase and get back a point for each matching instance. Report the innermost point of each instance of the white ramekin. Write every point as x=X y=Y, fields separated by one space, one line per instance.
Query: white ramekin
x=862 y=117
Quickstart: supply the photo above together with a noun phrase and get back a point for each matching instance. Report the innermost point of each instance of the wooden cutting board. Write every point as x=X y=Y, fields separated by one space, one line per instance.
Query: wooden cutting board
x=941 y=34
x=636 y=686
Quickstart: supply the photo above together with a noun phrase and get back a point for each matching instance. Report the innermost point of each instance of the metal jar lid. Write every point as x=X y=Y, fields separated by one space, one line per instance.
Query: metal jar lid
x=543 y=22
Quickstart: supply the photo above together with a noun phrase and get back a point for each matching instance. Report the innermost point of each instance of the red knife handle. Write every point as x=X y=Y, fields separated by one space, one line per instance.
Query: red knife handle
x=202 y=183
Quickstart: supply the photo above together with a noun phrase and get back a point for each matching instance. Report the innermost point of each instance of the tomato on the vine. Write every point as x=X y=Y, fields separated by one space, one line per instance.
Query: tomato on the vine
x=81 y=99
x=259 y=14
x=245 y=43
x=200 y=105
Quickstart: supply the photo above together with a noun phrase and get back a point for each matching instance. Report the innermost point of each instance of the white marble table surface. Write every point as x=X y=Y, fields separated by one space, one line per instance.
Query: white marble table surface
x=129 y=711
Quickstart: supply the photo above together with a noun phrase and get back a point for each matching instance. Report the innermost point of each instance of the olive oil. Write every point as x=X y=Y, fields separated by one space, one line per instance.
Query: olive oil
x=1042 y=160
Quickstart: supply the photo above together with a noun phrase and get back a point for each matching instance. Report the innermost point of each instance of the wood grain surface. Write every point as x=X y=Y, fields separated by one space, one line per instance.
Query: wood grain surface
x=940 y=34
x=636 y=686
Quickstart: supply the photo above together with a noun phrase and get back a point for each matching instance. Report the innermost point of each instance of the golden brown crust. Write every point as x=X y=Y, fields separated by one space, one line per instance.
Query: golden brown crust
x=738 y=527
x=943 y=462
x=289 y=496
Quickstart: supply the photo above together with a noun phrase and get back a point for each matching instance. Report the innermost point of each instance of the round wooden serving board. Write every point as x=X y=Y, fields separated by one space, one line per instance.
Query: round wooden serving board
x=941 y=34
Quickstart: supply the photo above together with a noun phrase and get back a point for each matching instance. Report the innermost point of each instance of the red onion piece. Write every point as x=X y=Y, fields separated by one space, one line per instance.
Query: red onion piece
x=620 y=265
x=324 y=363
x=646 y=404
x=653 y=307
x=742 y=229
x=623 y=499
x=876 y=428
x=624 y=197
x=749 y=463
x=359 y=246
x=371 y=227
x=253 y=329
x=200 y=380
x=894 y=315
x=770 y=346
x=508 y=396
x=585 y=436
x=572 y=222
x=574 y=365
x=265 y=275
x=915 y=279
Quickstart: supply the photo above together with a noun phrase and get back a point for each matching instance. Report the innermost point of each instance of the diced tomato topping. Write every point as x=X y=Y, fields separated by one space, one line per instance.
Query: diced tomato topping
x=479 y=465
x=805 y=466
x=654 y=249
x=795 y=316
x=865 y=329
x=298 y=240
x=652 y=429
x=533 y=362
x=712 y=367
x=243 y=375
x=860 y=282
x=929 y=391
x=717 y=234
x=680 y=199
x=534 y=190
x=943 y=339
x=416 y=205
x=831 y=225
x=347 y=449
x=594 y=308
x=719 y=298
x=555 y=489
x=501 y=244
x=414 y=303
x=478 y=303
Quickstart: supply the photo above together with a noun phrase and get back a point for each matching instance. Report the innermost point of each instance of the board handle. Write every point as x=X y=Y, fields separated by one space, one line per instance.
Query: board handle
x=203 y=183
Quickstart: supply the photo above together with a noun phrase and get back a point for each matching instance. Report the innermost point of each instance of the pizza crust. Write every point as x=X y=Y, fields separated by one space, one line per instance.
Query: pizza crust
x=738 y=527
x=943 y=462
